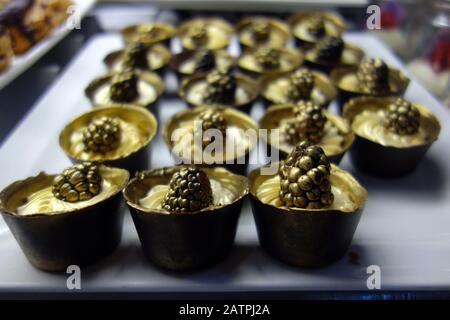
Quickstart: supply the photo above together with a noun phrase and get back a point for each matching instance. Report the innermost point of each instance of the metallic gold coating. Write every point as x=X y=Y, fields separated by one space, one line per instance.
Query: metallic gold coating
x=337 y=136
x=274 y=88
x=276 y=36
x=150 y=87
x=183 y=122
x=158 y=56
x=184 y=63
x=218 y=33
x=192 y=90
x=288 y=60
x=367 y=116
x=148 y=33
x=34 y=197
x=138 y=127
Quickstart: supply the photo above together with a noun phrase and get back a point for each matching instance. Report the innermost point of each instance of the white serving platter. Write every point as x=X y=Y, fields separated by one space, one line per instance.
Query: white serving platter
x=22 y=62
x=404 y=229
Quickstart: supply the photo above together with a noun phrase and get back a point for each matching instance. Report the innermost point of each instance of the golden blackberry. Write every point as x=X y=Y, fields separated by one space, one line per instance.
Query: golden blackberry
x=77 y=183
x=329 y=48
x=212 y=119
x=268 y=57
x=373 y=75
x=136 y=56
x=221 y=88
x=308 y=123
x=402 y=117
x=189 y=191
x=124 y=86
x=199 y=35
x=102 y=135
x=260 y=31
x=204 y=60
x=315 y=27
x=305 y=178
x=301 y=85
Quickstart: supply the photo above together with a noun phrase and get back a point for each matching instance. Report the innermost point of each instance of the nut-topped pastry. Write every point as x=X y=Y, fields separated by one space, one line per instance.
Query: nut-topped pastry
x=186 y=216
x=118 y=135
x=331 y=52
x=390 y=130
x=373 y=77
x=211 y=136
x=148 y=33
x=189 y=62
x=6 y=52
x=301 y=84
x=302 y=201
x=306 y=121
x=56 y=219
x=127 y=86
x=220 y=87
x=139 y=56
x=268 y=60
x=210 y=33
x=310 y=27
x=26 y=22
x=262 y=31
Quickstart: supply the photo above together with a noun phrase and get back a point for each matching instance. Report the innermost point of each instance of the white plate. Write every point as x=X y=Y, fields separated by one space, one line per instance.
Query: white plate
x=22 y=62
x=404 y=229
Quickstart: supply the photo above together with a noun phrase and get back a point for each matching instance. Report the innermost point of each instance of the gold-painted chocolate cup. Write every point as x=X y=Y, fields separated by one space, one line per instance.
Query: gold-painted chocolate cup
x=383 y=159
x=53 y=241
x=290 y=59
x=237 y=164
x=351 y=55
x=347 y=84
x=274 y=89
x=185 y=241
x=279 y=32
x=273 y=116
x=334 y=26
x=178 y=62
x=150 y=88
x=219 y=32
x=158 y=57
x=192 y=88
x=307 y=238
x=141 y=33
x=133 y=153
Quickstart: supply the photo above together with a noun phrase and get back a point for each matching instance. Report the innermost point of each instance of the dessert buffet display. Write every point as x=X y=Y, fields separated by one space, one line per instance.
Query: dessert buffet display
x=186 y=215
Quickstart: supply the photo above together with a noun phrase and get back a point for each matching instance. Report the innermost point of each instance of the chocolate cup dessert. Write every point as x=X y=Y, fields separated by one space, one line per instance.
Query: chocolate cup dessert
x=149 y=33
x=209 y=33
x=348 y=86
x=274 y=89
x=192 y=91
x=351 y=55
x=253 y=61
x=306 y=238
x=185 y=241
x=255 y=31
x=337 y=139
x=185 y=63
x=308 y=27
x=179 y=134
x=146 y=91
x=157 y=58
x=132 y=152
x=376 y=149
x=54 y=234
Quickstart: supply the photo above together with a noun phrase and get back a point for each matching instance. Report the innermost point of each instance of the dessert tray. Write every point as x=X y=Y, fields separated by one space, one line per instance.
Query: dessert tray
x=22 y=62
x=404 y=230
